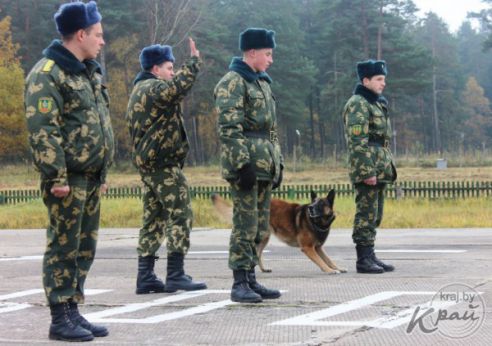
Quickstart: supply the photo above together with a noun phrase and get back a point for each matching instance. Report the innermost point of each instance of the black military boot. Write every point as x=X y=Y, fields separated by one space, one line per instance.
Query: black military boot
x=265 y=293
x=147 y=281
x=176 y=278
x=241 y=291
x=386 y=267
x=364 y=261
x=62 y=327
x=76 y=317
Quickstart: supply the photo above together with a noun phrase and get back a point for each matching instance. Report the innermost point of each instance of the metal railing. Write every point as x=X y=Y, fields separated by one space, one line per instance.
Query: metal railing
x=405 y=189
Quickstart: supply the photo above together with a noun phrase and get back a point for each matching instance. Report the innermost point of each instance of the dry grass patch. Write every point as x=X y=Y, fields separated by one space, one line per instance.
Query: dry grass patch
x=406 y=213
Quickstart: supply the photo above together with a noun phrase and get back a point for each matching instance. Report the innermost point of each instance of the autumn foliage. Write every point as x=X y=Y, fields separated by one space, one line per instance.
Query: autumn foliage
x=13 y=134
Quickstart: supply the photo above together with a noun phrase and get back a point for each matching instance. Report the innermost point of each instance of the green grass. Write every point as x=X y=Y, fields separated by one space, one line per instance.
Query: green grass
x=406 y=213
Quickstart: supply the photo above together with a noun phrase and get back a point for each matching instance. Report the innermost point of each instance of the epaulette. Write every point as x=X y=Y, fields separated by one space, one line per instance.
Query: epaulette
x=48 y=65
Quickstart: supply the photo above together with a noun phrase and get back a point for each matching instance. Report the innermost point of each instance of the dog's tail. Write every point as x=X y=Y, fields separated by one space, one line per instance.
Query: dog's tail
x=222 y=208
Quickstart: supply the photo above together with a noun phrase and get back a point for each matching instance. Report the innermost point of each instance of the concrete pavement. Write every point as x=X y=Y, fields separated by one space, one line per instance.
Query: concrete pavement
x=315 y=308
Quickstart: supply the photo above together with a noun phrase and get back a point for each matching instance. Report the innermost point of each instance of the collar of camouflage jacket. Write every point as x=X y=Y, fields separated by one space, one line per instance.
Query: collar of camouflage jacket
x=370 y=96
x=143 y=75
x=67 y=61
x=239 y=66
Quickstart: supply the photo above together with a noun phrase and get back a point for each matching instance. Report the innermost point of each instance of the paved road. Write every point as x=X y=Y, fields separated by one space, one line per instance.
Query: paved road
x=315 y=308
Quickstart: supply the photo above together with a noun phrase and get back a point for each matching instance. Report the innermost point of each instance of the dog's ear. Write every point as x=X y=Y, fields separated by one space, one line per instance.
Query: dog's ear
x=331 y=197
x=313 y=196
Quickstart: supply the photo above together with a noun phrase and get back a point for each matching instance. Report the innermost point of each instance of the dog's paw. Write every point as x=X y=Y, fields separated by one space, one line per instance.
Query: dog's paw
x=342 y=270
x=265 y=270
x=334 y=272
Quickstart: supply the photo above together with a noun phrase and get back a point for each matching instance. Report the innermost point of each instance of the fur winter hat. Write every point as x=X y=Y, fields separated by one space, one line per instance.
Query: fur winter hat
x=74 y=16
x=370 y=68
x=256 y=38
x=155 y=55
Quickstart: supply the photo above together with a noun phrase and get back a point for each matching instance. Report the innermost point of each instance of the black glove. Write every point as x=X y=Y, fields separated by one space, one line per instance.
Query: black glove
x=247 y=177
x=276 y=184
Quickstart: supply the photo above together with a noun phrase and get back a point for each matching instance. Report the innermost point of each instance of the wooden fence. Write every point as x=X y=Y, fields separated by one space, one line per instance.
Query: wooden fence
x=433 y=190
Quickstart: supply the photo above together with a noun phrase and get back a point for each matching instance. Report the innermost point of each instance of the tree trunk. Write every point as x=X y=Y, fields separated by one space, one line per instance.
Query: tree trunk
x=365 y=36
x=311 y=119
x=321 y=126
x=380 y=32
x=437 y=132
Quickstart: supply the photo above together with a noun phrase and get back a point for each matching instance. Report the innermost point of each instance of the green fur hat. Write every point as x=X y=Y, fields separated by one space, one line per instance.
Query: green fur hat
x=370 y=68
x=256 y=38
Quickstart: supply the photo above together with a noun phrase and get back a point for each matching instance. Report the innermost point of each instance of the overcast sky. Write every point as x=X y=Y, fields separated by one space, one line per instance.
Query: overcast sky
x=452 y=11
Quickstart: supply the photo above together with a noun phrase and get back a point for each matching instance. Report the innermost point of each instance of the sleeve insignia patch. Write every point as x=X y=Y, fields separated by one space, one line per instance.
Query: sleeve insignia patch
x=356 y=130
x=45 y=104
x=48 y=65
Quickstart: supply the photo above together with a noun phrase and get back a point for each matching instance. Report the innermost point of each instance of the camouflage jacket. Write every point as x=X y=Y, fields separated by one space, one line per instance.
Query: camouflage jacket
x=368 y=134
x=155 y=118
x=67 y=110
x=247 y=123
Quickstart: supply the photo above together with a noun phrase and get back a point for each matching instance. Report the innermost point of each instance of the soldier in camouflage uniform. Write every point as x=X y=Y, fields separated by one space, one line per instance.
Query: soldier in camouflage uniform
x=67 y=110
x=250 y=156
x=368 y=133
x=160 y=146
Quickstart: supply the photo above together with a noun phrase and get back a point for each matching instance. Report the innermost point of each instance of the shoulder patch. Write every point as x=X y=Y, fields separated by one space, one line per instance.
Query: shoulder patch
x=45 y=104
x=48 y=65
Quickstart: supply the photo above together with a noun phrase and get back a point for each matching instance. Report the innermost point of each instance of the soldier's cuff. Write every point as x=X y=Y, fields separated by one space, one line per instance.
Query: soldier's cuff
x=240 y=165
x=367 y=175
x=196 y=59
x=102 y=177
x=195 y=62
x=59 y=182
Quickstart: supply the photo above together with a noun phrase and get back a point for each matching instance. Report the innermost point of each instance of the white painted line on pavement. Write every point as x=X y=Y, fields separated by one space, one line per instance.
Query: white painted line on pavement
x=314 y=318
x=404 y=316
x=140 y=306
x=421 y=251
x=386 y=322
x=11 y=306
x=212 y=252
x=200 y=309
x=220 y=252
x=8 y=307
x=21 y=258
x=20 y=294
x=89 y=292
x=37 y=258
x=101 y=316
x=95 y=291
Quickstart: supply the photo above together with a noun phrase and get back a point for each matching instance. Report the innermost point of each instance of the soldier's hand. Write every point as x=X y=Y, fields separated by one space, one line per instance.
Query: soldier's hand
x=193 y=50
x=371 y=181
x=276 y=184
x=104 y=188
x=247 y=177
x=60 y=191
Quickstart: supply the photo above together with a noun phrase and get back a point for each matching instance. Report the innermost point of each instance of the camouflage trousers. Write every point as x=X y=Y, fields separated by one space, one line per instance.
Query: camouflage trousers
x=369 y=202
x=71 y=238
x=251 y=217
x=167 y=212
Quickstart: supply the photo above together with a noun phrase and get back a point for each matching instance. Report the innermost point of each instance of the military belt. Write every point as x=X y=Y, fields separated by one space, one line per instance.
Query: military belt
x=269 y=135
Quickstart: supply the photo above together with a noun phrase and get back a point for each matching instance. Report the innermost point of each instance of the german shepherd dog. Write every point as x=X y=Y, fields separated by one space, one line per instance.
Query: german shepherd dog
x=306 y=226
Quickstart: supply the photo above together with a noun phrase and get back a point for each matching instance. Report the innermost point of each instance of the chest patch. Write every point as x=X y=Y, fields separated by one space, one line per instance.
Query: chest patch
x=356 y=130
